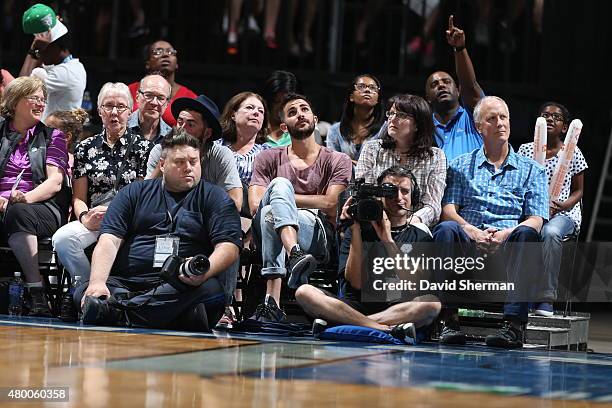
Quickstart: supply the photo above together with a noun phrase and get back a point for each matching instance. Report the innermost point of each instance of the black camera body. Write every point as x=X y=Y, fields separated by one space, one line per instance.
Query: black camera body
x=175 y=266
x=365 y=206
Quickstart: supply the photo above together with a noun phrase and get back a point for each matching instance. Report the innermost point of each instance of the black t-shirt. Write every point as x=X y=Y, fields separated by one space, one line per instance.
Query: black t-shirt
x=407 y=234
x=203 y=217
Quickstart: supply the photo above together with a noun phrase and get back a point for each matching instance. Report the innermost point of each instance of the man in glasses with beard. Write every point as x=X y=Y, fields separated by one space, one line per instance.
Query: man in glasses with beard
x=293 y=195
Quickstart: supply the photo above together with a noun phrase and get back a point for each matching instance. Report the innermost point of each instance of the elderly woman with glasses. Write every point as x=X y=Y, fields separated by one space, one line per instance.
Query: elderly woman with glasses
x=103 y=164
x=362 y=117
x=409 y=140
x=33 y=198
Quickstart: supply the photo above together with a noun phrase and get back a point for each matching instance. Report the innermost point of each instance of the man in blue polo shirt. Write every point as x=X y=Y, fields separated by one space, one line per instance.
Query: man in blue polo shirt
x=455 y=131
x=452 y=105
x=177 y=214
x=494 y=196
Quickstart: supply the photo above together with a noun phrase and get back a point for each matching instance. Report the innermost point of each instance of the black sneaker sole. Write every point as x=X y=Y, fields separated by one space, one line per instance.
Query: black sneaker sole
x=501 y=343
x=306 y=265
x=453 y=340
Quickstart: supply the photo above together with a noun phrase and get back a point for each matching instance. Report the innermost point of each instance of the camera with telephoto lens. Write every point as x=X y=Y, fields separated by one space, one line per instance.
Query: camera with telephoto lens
x=365 y=207
x=192 y=267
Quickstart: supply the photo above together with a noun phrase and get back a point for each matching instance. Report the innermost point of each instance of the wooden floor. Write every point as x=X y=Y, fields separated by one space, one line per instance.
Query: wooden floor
x=160 y=369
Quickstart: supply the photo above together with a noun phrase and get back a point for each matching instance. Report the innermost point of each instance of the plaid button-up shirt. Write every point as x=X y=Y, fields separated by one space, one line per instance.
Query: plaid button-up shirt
x=430 y=174
x=499 y=198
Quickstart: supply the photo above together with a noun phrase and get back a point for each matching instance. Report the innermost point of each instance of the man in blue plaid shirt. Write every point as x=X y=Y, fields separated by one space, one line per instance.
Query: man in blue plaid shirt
x=494 y=196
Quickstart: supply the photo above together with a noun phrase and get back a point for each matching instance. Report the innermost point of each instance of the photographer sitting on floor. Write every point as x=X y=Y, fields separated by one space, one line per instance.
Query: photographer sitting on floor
x=393 y=227
x=146 y=226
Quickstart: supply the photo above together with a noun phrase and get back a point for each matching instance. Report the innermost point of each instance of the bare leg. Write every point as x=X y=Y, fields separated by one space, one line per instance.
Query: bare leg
x=310 y=13
x=234 y=17
x=138 y=12
x=288 y=236
x=293 y=9
x=272 y=10
x=317 y=304
x=273 y=288
x=421 y=311
x=25 y=248
x=370 y=12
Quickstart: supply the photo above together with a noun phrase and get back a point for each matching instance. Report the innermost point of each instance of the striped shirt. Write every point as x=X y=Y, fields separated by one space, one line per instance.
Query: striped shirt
x=57 y=155
x=244 y=162
x=430 y=174
x=500 y=198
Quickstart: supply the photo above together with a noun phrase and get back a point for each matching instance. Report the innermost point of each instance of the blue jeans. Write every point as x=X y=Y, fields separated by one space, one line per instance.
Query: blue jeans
x=276 y=210
x=450 y=231
x=552 y=237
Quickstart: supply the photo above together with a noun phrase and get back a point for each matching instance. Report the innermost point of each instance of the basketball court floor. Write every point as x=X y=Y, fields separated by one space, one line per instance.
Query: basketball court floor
x=115 y=367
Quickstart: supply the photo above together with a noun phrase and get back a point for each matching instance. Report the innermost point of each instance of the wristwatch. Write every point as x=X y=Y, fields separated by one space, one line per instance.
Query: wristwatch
x=34 y=53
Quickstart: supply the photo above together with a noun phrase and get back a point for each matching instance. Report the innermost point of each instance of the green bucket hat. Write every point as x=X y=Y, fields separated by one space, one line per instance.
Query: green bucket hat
x=40 y=18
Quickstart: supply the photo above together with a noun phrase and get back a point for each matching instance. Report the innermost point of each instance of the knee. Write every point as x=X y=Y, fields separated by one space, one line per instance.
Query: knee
x=16 y=212
x=64 y=240
x=524 y=234
x=551 y=232
x=305 y=294
x=445 y=231
x=281 y=182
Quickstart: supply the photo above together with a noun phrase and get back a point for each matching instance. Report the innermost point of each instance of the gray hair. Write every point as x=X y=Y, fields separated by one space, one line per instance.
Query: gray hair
x=118 y=88
x=478 y=108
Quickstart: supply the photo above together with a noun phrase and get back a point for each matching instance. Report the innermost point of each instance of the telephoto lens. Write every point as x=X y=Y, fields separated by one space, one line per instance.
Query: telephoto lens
x=196 y=266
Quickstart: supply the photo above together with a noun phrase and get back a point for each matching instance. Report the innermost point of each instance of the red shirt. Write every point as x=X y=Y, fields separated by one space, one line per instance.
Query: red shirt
x=182 y=92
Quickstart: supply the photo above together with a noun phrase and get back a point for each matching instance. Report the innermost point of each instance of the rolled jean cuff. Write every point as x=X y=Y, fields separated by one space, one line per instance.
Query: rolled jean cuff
x=273 y=272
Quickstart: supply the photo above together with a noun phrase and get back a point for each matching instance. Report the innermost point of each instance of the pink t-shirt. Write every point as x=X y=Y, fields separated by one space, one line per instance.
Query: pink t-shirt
x=57 y=155
x=330 y=168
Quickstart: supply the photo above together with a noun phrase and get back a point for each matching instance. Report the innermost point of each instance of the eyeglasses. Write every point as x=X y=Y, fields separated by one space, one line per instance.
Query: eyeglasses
x=150 y=97
x=361 y=87
x=398 y=114
x=109 y=108
x=37 y=99
x=557 y=117
x=159 y=52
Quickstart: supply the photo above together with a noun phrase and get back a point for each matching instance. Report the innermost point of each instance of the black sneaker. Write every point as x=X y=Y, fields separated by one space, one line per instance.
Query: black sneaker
x=194 y=319
x=300 y=266
x=506 y=337
x=98 y=311
x=68 y=310
x=38 y=302
x=318 y=327
x=452 y=334
x=406 y=332
x=268 y=312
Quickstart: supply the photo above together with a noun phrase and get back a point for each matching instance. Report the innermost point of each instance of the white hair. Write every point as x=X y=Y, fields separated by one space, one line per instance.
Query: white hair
x=478 y=108
x=117 y=88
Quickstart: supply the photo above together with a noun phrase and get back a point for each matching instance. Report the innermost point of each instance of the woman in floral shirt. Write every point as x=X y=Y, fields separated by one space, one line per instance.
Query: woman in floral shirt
x=97 y=162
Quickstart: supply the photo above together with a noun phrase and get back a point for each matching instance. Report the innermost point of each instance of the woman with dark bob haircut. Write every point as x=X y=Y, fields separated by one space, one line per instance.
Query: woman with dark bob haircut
x=408 y=141
x=362 y=117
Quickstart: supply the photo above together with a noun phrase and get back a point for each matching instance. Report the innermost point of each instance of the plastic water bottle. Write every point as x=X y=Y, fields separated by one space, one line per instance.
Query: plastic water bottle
x=68 y=312
x=87 y=104
x=15 y=307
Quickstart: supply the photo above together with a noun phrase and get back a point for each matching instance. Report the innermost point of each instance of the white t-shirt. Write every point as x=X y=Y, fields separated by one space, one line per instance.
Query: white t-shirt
x=577 y=165
x=65 y=85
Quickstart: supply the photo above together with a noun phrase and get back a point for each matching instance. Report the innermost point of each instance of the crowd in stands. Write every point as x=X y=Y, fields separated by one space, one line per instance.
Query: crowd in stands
x=172 y=176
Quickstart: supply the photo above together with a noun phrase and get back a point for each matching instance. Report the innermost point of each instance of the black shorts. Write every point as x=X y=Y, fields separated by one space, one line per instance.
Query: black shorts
x=35 y=219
